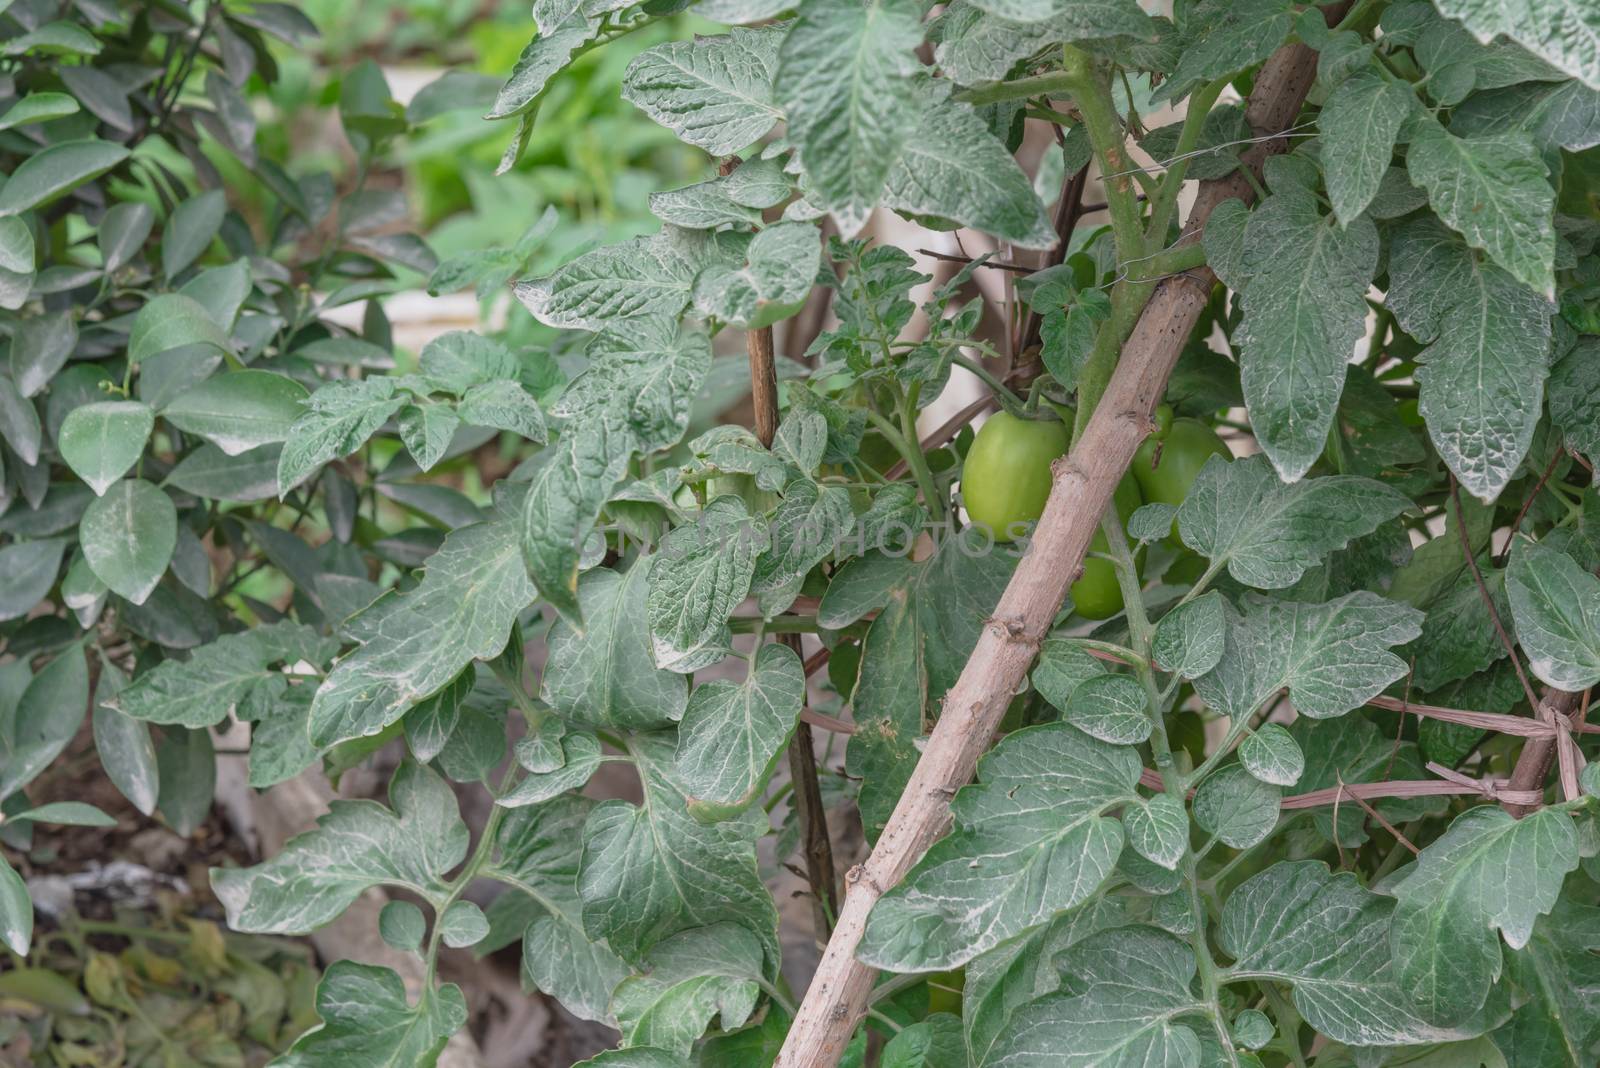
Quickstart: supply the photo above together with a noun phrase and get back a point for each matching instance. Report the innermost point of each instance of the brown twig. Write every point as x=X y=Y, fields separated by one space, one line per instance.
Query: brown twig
x=807 y=797
x=1069 y=209
x=1522 y=513
x=1488 y=601
x=999 y=265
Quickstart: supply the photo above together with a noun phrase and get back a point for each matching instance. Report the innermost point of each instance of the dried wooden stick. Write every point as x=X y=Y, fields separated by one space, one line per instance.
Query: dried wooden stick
x=1084 y=481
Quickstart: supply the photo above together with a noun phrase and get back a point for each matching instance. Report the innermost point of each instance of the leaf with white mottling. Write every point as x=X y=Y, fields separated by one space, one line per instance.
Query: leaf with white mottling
x=538 y=854
x=604 y=675
x=713 y=92
x=1332 y=657
x=1489 y=871
x=1122 y=995
x=368 y=1022
x=686 y=981
x=1565 y=33
x=1359 y=124
x=780 y=267
x=1237 y=807
x=845 y=83
x=1034 y=838
x=1271 y=754
x=1112 y=708
x=701 y=574
x=1556 y=605
x=338 y=420
x=1328 y=936
x=1305 y=311
x=733 y=733
x=415 y=643
x=952 y=167
x=645 y=276
x=1158 y=830
x=549 y=51
x=1270 y=533
x=356 y=845
x=1487 y=355
x=1188 y=640
x=101 y=441
x=651 y=871
x=1495 y=192
x=127 y=535
x=202 y=690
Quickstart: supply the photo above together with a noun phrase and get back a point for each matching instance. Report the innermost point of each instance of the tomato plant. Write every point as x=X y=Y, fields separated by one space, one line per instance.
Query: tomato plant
x=1317 y=795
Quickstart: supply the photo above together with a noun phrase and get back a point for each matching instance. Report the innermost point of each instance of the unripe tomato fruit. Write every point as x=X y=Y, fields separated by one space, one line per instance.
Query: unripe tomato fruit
x=1167 y=463
x=1006 y=478
x=1097 y=594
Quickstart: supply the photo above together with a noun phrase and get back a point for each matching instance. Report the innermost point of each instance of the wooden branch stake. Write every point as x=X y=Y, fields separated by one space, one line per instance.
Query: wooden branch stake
x=807 y=797
x=1084 y=480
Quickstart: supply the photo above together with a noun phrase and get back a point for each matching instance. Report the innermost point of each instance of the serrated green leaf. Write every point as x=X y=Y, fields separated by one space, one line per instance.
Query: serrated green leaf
x=538 y=854
x=1297 y=922
x=689 y=979
x=367 y=1022
x=414 y=644
x=780 y=267
x=1565 y=33
x=339 y=418
x=1560 y=969
x=1489 y=871
x=1007 y=977
x=735 y=198
x=1488 y=341
x=504 y=405
x=713 y=92
x=1223 y=36
x=952 y=167
x=811 y=524
x=1270 y=533
x=982 y=40
x=651 y=871
x=604 y=674
x=1033 y=839
x=580 y=753
x=1359 y=124
x=1556 y=605
x=101 y=441
x=646 y=276
x=1123 y=993
x=549 y=51
x=733 y=733
x=1332 y=657
x=1305 y=311
x=701 y=574
x=204 y=689
x=355 y=845
x=1495 y=192
x=635 y=396
x=912 y=655
x=845 y=84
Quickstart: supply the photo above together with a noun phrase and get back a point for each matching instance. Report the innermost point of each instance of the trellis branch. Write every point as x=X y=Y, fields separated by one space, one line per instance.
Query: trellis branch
x=1083 y=484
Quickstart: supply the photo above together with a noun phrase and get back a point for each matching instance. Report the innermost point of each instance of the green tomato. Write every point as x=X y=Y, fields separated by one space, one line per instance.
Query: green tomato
x=1166 y=464
x=1006 y=478
x=1097 y=594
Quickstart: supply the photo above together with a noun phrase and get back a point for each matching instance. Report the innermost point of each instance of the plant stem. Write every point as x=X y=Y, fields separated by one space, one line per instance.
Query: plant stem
x=1165 y=202
x=1008 y=400
x=1141 y=631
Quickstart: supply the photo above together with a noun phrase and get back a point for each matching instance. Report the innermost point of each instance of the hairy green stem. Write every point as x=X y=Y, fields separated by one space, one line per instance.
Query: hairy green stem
x=1165 y=202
